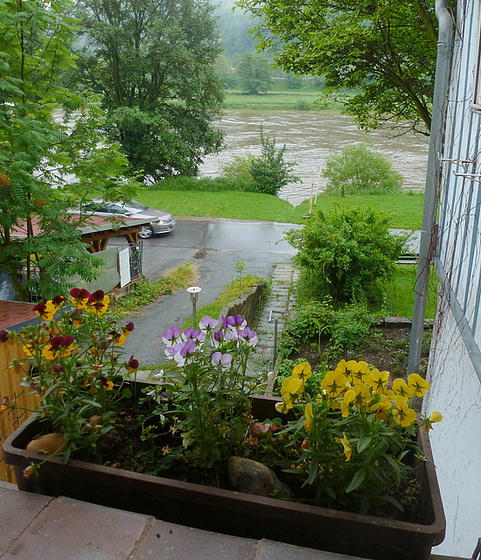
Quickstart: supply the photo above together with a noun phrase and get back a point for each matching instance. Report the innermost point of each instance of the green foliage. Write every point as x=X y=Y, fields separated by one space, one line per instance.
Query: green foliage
x=145 y=291
x=205 y=184
x=269 y=171
x=254 y=74
x=345 y=252
x=211 y=399
x=310 y=320
x=351 y=326
x=157 y=80
x=239 y=169
x=360 y=170
x=78 y=380
x=47 y=165
x=384 y=51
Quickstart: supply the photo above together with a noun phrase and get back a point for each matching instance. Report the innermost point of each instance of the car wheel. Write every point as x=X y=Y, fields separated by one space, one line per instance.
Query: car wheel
x=146 y=232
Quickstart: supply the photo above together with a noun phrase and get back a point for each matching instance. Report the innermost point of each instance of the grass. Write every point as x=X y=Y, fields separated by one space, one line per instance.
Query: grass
x=235 y=205
x=145 y=291
x=405 y=209
x=400 y=293
x=231 y=293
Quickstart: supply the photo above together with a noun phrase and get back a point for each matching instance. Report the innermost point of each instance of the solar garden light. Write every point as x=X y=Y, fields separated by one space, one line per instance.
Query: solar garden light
x=194 y=298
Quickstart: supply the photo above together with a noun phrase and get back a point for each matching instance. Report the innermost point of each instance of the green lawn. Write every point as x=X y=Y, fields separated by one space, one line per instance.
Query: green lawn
x=405 y=209
x=236 y=205
x=401 y=292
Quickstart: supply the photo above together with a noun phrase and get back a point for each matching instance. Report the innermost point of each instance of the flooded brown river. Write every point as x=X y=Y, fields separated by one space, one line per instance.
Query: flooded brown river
x=310 y=138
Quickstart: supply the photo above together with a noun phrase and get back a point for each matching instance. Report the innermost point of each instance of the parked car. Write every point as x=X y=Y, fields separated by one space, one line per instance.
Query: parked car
x=162 y=222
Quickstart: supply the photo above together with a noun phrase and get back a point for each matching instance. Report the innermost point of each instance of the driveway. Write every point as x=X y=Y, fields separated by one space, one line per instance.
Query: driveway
x=215 y=246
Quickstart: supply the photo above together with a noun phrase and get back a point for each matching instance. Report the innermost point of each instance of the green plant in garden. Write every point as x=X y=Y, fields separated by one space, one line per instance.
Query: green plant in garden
x=238 y=169
x=269 y=171
x=344 y=253
x=358 y=435
x=75 y=365
x=358 y=169
x=308 y=322
x=351 y=326
x=211 y=391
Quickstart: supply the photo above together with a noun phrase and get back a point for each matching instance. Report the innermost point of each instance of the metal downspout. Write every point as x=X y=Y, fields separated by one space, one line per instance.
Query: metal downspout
x=428 y=237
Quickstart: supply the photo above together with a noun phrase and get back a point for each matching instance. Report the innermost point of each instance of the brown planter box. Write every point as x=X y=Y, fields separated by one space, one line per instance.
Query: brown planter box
x=230 y=512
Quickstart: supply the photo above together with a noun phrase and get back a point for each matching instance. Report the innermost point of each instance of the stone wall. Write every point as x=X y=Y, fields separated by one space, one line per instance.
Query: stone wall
x=247 y=305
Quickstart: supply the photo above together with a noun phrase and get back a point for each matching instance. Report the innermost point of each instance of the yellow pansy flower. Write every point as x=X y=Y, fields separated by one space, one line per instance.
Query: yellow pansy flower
x=381 y=406
x=402 y=413
x=401 y=388
x=378 y=380
x=363 y=395
x=347 y=447
x=418 y=384
x=334 y=383
x=435 y=416
x=349 y=397
x=309 y=414
x=302 y=371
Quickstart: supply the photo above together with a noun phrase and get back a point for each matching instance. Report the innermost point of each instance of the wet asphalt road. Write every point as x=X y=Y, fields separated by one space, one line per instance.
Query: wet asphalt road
x=215 y=247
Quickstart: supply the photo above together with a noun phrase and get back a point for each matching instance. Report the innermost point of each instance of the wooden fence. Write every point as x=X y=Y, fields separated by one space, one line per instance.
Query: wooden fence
x=10 y=389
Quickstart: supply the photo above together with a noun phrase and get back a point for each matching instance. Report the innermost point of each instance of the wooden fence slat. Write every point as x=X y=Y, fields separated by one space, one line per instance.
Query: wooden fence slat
x=25 y=402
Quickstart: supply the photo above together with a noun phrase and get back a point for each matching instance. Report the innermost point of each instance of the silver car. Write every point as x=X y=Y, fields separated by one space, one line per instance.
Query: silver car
x=162 y=222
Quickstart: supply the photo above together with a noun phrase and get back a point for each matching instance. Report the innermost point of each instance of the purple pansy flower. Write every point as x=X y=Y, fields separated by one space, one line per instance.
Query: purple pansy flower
x=193 y=334
x=223 y=360
x=207 y=324
x=172 y=335
x=235 y=322
x=249 y=335
x=185 y=353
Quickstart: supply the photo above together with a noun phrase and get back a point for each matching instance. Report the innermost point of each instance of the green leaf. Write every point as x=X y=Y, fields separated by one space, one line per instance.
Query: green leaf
x=362 y=443
x=356 y=481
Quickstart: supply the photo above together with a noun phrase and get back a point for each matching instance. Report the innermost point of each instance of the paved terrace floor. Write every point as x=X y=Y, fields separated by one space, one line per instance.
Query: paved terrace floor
x=35 y=527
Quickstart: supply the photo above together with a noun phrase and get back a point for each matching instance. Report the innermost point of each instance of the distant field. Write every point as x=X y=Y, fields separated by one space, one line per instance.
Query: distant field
x=279 y=99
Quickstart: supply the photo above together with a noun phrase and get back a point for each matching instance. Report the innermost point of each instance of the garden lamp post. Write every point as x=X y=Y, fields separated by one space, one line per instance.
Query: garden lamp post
x=194 y=297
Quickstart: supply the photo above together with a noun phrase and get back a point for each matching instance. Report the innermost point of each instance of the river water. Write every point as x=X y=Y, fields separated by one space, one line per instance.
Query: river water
x=310 y=138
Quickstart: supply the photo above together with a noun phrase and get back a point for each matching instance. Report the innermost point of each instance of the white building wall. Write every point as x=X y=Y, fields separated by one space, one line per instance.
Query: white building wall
x=456 y=441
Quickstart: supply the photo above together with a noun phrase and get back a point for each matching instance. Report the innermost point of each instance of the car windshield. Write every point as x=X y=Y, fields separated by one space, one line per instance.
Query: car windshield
x=137 y=205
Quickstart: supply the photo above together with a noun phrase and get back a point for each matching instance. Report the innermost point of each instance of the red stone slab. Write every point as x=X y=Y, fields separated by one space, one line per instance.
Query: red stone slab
x=17 y=511
x=168 y=541
x=71 y=530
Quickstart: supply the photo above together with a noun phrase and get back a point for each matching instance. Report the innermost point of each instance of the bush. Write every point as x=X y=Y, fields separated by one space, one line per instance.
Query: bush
x=344 y=253
x=238 y=169
x=269 y=171
x=351 y=326
x=309 y=319
x=360 y=170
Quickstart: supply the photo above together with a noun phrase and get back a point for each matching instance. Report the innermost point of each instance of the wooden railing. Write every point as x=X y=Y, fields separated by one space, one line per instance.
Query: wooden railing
x=21 y=399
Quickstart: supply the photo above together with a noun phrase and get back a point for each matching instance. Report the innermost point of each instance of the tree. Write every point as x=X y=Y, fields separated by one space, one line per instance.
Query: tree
x=360 y=170
x=39 y=247
x=383 y=51
x=254 y=74
x=153 y=63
